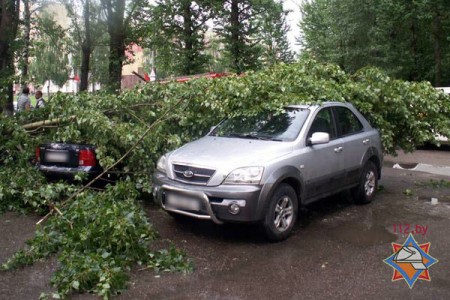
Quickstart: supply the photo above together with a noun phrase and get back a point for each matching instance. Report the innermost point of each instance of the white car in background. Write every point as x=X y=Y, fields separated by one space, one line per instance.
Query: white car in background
x=443 y=139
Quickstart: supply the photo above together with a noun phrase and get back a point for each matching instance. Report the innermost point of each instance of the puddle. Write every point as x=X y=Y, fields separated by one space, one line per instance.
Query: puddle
x=439 y=200
x=360 y=235
x=438 y=170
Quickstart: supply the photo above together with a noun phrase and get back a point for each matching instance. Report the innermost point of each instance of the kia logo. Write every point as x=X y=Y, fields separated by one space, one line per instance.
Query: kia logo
x=188 y=174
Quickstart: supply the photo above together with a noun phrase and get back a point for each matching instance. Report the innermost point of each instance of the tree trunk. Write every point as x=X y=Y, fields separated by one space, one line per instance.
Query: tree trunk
x=26 y=49
x=86 y=49
x=188 y=36
x=437 y=41
x=116 y=57
x=116 y=30
x=235 y=37
x=414 y=73
x=85 y=62
x=9 y=21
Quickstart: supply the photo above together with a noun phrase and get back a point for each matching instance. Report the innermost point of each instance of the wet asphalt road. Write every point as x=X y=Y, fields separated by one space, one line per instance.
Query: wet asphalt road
x=337 y=251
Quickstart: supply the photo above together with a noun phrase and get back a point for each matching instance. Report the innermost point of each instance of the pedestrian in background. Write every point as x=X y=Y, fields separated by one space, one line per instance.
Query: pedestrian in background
x=24 y=103
x=39 y=100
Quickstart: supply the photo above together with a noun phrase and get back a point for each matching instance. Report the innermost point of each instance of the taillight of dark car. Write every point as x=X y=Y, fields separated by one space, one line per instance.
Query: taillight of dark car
x=86 y=158
x=38 y=154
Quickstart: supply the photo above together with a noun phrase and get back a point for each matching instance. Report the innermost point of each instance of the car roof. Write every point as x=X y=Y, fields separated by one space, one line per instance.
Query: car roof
x=326 y=103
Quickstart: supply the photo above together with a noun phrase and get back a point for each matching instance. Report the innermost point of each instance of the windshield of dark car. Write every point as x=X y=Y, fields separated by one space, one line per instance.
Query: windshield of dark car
x=274 y=126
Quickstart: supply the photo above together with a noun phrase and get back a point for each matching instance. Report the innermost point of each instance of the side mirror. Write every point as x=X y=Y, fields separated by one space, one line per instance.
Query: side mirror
x=319 y=138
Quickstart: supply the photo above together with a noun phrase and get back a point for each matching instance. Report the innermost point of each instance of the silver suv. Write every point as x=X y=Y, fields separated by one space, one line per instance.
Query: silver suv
x=262 y=168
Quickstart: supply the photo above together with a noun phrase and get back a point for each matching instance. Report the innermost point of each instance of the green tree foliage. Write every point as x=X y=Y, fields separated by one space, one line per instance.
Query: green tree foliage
x=235 y=26
x=99 y=65
x=122 y=25
x=9 y=23
x=118 y=31
x=408 y=39
x=216 y=63
x=272 y=35
x=253 y=33
x=109 y=232
x=177 y=35
x=88 y=31
x=50 y=62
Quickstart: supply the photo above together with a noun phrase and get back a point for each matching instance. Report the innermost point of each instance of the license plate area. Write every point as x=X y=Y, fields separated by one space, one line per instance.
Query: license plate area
x=57 y=157
x=180 y=201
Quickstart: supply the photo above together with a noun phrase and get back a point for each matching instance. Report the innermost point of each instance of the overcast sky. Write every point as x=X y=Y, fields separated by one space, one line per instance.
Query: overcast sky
x=293 y=20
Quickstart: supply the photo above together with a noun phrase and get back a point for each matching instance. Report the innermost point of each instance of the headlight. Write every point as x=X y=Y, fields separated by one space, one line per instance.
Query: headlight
x=249 y=175
x=161 y=164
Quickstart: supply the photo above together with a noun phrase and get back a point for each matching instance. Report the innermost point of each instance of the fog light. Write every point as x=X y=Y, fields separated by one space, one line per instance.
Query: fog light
x=155 y=191
x=234 y=208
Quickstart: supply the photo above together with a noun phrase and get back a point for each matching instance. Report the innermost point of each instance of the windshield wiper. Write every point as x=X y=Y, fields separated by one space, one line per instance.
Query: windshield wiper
x=269 y=138
x=253 y=136
x=243 y=135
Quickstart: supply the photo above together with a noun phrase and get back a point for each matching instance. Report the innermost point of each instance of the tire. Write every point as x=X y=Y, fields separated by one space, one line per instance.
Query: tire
x=281 y=213
x=368 y=184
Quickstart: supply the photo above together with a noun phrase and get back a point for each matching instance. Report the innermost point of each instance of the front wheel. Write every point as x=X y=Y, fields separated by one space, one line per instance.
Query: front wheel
x=281 y=214
x=365 y=191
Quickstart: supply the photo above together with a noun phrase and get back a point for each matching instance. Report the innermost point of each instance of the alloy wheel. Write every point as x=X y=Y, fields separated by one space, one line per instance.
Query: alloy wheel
x=283 y=213
x=369 y=185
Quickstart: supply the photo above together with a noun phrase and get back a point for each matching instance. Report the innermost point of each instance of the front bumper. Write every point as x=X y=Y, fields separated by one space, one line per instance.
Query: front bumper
x=215 y=200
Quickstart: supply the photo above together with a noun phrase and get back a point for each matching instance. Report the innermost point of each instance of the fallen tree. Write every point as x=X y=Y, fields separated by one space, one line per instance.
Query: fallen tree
x=407 y=114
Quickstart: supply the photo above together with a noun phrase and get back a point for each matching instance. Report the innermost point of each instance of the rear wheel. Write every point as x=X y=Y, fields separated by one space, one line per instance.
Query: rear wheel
x=281 y=214
x=368 y=184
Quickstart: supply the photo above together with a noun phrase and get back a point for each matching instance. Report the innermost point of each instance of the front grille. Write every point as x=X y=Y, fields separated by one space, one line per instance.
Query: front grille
x=192 y=175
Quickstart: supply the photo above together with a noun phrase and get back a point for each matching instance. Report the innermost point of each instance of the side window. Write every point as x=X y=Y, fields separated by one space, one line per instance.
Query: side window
x=323 y=122
x=348 y=123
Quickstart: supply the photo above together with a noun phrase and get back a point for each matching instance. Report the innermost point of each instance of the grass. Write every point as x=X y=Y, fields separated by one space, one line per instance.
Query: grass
x=435 y=183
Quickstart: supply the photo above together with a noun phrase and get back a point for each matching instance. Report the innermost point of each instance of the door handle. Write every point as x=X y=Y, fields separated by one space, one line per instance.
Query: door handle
x=338 y=149
x=366 y=141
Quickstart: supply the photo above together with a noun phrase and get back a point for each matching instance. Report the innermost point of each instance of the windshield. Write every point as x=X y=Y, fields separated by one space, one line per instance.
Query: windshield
x=284 y=126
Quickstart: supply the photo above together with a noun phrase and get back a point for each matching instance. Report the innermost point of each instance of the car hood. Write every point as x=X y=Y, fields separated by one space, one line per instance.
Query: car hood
x=226 y=154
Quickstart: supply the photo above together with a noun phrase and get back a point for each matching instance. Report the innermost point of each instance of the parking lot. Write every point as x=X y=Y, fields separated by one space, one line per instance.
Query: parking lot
x=336 y=251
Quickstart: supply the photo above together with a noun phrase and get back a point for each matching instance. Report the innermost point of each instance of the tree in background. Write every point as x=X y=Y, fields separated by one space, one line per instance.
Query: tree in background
x=26 y=37
x=122 y=24
x=216 y=61
x=439 y=16
x=99 y=65
x=408 y=39
x=177 y=35
x=234 y=24
x=241 y=25
x=335 y=31
x=50 y=61
x=117 y=27
x=9 y=22
x=88 y=32
x=272 y=35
